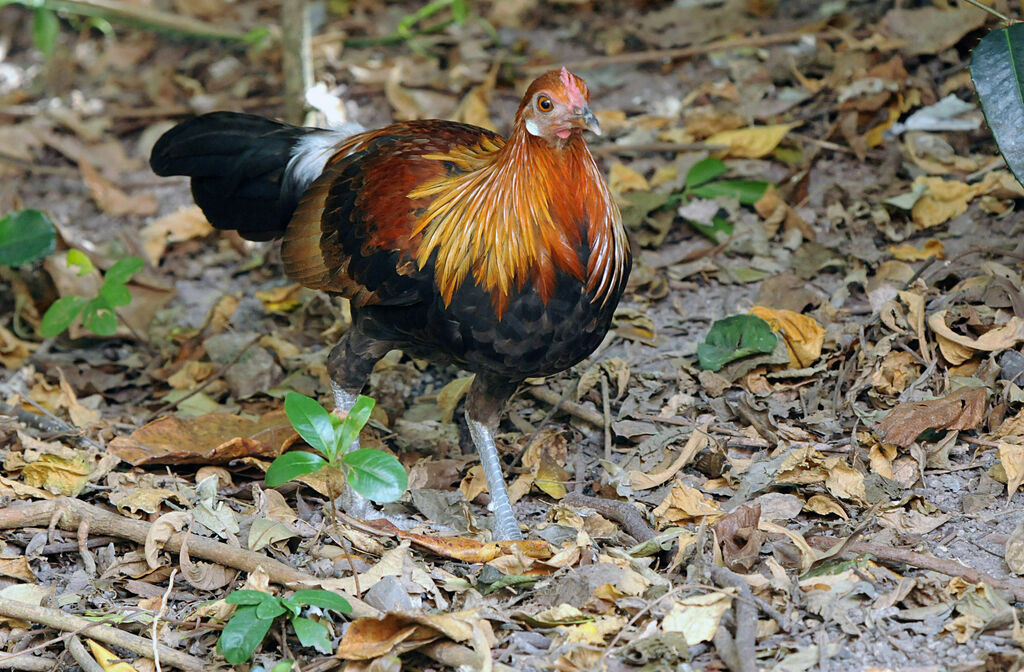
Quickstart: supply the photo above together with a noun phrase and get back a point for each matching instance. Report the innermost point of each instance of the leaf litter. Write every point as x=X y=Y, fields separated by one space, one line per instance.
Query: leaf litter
x=844 y=496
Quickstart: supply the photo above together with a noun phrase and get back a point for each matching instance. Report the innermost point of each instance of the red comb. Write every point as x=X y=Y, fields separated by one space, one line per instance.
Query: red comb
x=572 y=89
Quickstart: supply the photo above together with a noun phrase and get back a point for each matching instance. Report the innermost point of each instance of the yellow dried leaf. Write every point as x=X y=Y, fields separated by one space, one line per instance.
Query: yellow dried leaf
x=999 y=338
x=179 y=226
x=281 y=299
x=13 y=350
x=59 y=475
x=623 y=179
x=750 y=143
x=933 y=247
x=803 y=336
x=686 y=503
x=697 y=617
x=895 y=371
x=825 y=506
x=943 y=200
x=108 y=660
x=1011 y=456
x=451 y=394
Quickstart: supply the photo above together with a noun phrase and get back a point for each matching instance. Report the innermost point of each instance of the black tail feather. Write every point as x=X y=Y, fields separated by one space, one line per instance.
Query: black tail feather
x=237 y=164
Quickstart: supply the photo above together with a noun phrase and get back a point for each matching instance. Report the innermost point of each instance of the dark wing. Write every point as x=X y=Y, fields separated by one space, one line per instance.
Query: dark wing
x=352 y=232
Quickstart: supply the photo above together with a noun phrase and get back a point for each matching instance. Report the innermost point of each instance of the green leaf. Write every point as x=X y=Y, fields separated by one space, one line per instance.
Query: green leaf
x=99 y=317
x=250 y=597
x=323 y=599
x=719 y=230
x=312 y=422
x=291 y=465
x=284 y=666
x=25 y=235
x=355 y=420
x=997 y=70
x=376 y=475
x=746 y=192
x=735 y=337
x=123 y=270
x=45 y=30
x=115 y=294
x=242 y=634
x=460 y=11
x=705 y=171
x=77 y=258
x=311 y=633
x=270 y=609
x=60 y=315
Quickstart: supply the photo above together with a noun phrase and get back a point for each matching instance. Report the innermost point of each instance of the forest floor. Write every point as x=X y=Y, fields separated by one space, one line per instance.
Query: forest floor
x=847 y=501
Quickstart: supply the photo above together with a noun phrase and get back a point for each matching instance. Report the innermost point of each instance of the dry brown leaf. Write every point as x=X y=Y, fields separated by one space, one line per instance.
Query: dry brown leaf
x=17 y=568
x=803 y=336
x=895 y=371
x=450 y=396
x=13 y=350
x=160 y=532
x=112 y=200
x=369 y=638
x=209 y=439
x=825 y=506
x=640 y=480
x=183 y=224
x=685 y=503
x=943 y=200
x=740 y=539
x=59 y=475
x=963 y=409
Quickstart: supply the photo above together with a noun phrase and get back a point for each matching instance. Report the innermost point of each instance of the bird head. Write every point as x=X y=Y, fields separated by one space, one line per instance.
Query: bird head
x=556 y=106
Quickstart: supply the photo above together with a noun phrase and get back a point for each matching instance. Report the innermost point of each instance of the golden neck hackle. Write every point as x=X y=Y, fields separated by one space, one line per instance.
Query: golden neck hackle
x=518 y=213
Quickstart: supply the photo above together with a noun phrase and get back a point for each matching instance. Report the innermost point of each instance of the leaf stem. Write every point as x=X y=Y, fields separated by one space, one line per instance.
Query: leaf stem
x=991 y=10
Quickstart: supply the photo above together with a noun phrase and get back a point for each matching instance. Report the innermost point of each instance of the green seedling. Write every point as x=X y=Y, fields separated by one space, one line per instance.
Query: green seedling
x=257 y=611
x=99 y=313
x=372 y=473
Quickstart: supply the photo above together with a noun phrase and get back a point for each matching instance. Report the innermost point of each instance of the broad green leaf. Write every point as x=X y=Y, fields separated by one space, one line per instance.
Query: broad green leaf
x=45 y=30
x=735 y=337
x=60 y=315
x=705 y=171
x=355 y=420
x=311 y=633
x=270 y=609
x=324 y=599
x=123 y=270
x=290 y=605
x=312 y=422
x=250 y=597
x=115 y=294
x=997 y=70
x=99 y=317
x=746 y=192
x=25 y=235
x=77 y=258
x=242 y=634
x=291 y=465
x=376 y=475
x=719 y=230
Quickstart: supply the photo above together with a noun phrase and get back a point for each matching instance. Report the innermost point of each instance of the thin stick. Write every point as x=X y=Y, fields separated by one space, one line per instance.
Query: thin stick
x=100 y=631
x=81 y=655
x=991 y=10
x=637 y=57
x=141 y=14
x=607 y=419
x=296 y=58
x=576 y=410
x=159 y=615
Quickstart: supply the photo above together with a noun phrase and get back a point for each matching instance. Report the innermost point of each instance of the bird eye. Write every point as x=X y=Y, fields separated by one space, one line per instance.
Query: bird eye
x=544 y=104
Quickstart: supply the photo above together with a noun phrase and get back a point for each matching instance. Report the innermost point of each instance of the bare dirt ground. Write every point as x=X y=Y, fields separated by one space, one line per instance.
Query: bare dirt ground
x=848 y=502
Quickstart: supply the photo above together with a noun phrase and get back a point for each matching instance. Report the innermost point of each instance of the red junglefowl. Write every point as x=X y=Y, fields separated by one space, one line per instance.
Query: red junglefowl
x=504 y=257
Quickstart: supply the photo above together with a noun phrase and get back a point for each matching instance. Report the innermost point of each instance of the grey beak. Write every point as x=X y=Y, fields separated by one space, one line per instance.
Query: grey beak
x=590 y=121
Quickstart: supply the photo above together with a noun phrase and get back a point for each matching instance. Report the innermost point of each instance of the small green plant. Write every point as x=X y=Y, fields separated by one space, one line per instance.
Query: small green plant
x=702 y=182
x=98 y=313
x=25 y=236
x=733 y=338
x=257 y=611
x=372 y=473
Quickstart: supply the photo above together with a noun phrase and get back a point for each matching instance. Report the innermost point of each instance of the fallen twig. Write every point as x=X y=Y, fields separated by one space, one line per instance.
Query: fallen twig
x=576 y=410
x=922 y=561
x=68 y=513
x=622 y=512
x=99 y=631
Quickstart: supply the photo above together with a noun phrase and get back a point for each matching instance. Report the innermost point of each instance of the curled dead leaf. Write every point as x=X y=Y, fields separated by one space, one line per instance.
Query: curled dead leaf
x=963 y=409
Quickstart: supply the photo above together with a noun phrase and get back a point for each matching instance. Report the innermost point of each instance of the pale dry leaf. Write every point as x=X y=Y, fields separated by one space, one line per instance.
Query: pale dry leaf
x=1011 y=456
x=113 y=200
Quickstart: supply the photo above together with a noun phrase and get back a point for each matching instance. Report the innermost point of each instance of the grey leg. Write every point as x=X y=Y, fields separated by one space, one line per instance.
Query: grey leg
x=483 y=409
x=505 y=525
